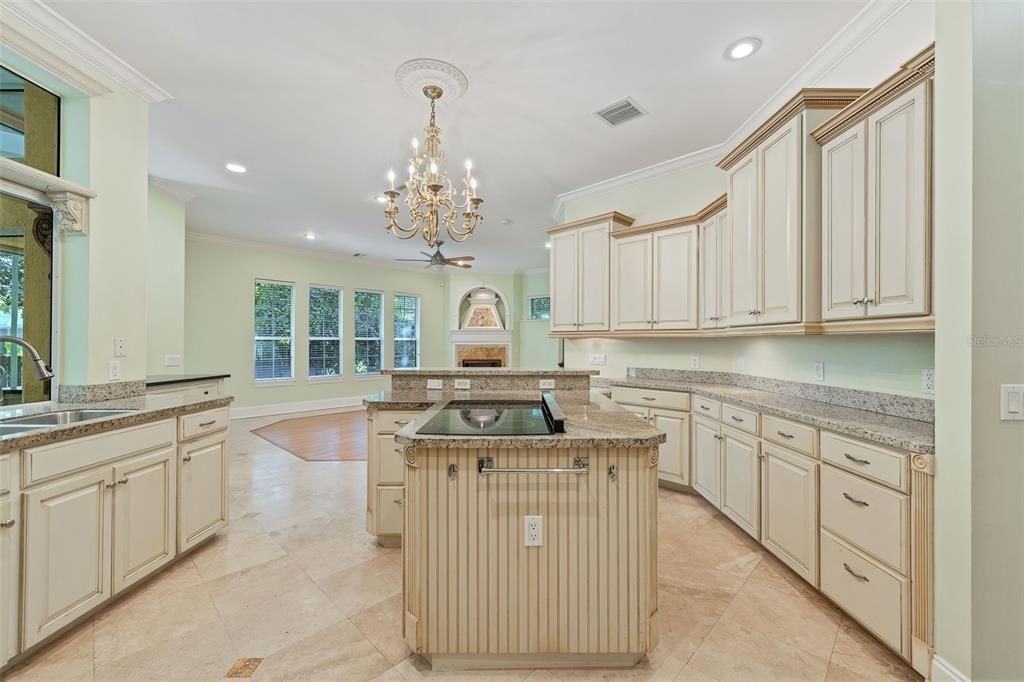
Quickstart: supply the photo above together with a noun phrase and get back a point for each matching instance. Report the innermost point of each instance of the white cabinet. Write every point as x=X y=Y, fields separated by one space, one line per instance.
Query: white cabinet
x=580 y=274
x=385 y=475
x=202 y=489
x=875 y=193
x=9 y=530
x=742 y=238
x=593 y=278
x=145 y=503
x=779 y=176
x=707 y=460
x=741 y=481
x=789 y=509
x=67 y=552
x=674 y=453
x=654 y=280
x=565 y=301
x=713 y=268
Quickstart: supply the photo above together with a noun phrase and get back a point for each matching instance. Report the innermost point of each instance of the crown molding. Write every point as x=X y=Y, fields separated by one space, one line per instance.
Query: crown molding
x=171 y=189
x=861 y=27
x=68 y=36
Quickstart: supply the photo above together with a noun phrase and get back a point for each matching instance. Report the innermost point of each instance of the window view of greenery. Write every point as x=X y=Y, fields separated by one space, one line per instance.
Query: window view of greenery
x=540 y=308
x=29 y=123
x=324 y=332
x=273 y=343
x=26 y=259
x=407 y=331
x=369 y=322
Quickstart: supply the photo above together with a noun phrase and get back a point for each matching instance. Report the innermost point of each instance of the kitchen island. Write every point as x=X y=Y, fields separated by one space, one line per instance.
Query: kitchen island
x=488 y=587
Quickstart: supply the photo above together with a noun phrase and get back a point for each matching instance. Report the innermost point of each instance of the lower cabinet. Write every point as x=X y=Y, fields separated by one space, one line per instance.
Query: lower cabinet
x=9 y=530
x=385 y=475
x=707 y=460
x=67 y=551
x=789 y=509
x=674 y=454
x=741 y=480
x=145 y=502
x=202 y=489
x=389 y=509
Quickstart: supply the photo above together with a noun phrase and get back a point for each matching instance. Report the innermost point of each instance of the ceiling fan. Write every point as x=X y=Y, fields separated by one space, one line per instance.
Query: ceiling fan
x=438 y=260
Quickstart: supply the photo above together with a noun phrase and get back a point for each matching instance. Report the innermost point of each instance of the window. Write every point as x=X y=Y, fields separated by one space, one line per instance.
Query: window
x=273 y=330
x=324 y=332
x=407 y=331
x=369 y=322
x=538 y=308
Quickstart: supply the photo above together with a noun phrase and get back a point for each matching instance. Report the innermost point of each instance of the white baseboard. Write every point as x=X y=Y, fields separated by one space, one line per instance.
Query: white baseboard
x=354 y=402
x=944 y=671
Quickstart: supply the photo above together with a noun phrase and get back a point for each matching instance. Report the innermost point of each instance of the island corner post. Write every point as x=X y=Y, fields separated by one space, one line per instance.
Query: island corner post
x=475 y=597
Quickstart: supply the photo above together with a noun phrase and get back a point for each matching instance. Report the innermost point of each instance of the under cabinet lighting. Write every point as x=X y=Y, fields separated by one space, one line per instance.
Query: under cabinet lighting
x=743 y=48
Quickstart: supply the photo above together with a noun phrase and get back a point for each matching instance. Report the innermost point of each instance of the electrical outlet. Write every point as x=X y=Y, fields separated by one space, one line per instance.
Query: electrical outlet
x=598 y=358
x=547 y=384
x=114 y=370
x=694 y=362
x=435 y=384
x=819 y=372
x=928 y=381
x=119 y=347
x=462 y=384
x=741 y=364
x=172 y=361
x=533 y=531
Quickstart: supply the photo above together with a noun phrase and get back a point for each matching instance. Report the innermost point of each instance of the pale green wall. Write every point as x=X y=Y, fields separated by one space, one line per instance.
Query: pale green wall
x=165 y=282
x=536 y=348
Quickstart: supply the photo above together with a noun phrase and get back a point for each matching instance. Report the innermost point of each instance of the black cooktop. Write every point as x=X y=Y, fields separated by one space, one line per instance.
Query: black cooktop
x=505 y=418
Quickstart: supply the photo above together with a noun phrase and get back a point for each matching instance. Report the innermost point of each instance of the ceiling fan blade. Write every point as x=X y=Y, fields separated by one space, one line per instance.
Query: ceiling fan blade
x=428 y=255
x=462 y=258
x=464 y=266
x=412 y=260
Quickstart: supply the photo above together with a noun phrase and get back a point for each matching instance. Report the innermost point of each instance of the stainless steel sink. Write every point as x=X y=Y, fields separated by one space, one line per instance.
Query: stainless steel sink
x=59 y=418
x=10 y=429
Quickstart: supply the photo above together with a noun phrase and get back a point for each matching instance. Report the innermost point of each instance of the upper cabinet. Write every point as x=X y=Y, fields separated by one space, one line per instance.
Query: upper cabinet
x=876 y=200
x=772 y=230
x=713 y=269
x=579 y=273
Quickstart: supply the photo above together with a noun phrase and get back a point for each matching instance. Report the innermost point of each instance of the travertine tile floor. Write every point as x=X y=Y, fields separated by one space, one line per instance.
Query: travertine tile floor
x=296 y=581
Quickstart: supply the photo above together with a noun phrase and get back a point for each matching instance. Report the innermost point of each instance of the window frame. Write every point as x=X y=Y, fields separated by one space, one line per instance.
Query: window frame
x=529 y=308
x=340 y=338
x=356 y=338
x=395 y=338
x=274 y=381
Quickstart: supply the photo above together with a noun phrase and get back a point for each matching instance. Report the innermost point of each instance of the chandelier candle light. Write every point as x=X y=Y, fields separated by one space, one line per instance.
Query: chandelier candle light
x=430 y=191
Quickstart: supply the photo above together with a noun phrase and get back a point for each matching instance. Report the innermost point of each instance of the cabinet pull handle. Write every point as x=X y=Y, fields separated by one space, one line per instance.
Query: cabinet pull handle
x=203 y=425
x=644 y=397
x=704 y=407
x=186 y=458
x=736 y=419
x=401 y=422
x=9 y=523
x=861 y=503
x=122 y=481
x=717 y=437
x=784 y=434
x=855 y=574
x=400 y=451
x=397 y=501
x=111 y=485
x=850 y=457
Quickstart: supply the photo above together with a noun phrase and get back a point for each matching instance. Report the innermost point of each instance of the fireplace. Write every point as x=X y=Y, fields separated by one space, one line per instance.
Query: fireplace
x=481 y=363
x=481 y=355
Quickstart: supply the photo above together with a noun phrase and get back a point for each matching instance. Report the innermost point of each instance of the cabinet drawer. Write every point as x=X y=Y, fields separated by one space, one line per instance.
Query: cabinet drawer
x=871 y=517
x=888 y=467
x=876 y=597
x=670 y=400
x=707 y=407
x=799 y=437
x=389 y=421
x=211 y=388
x=49 y=461
x=390 y=461
x=5 y=474
x=741 y=419
x=389 y=510
x=201 y=423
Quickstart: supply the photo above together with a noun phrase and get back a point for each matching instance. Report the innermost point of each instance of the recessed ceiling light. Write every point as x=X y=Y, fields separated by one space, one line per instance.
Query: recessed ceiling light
x=505 y=221
x=381 y=199
x=547 y=245
x=235 y=167
x=310 y=235
x=357 y=255
x=743 y=48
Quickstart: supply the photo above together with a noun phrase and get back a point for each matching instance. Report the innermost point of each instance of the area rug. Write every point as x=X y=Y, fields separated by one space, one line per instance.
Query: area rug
x=324 y=438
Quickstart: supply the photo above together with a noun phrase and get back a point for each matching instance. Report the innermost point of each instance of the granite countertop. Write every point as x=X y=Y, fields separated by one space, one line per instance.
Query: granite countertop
x=166 y=379
x=591 y=421
x=145 y=408
x=897 y=432
x=487 y=371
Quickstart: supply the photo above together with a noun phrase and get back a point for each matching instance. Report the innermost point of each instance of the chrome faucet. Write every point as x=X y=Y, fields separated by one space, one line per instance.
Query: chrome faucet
x=43 y=373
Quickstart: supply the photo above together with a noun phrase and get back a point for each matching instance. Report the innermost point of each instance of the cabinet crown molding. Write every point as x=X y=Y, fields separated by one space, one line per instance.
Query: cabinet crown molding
x=711 y=209
x=918 y=68
x=615 y=217
x=806 y=98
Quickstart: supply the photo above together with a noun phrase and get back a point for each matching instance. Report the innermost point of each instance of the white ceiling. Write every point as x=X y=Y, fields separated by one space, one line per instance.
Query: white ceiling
x=303 y=94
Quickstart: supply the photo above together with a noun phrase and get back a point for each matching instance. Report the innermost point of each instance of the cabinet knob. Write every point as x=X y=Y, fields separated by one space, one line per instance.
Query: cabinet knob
x=186 y=458
x=9 y=523
x=111 y=485
x=398 y=502
x=122 y=481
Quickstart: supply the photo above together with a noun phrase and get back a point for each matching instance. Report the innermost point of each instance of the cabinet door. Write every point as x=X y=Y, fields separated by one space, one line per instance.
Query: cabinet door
x=389 y=510
x=710 y=274
x=564 y=279
x=145 y=516
x=593 y=278
x=844 y=238
x=67 y=552
x=8 y=581
x=789 y=509
x=741 y=481
x=707 y=460
x=202 y=489
x=631 y=282
x=779 y=198
x=742 y=234
x=897 y=225
x=674 y=454
x=675 y=278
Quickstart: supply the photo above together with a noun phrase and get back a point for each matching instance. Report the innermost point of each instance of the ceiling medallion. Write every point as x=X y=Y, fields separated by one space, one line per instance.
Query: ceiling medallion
x=430 y=195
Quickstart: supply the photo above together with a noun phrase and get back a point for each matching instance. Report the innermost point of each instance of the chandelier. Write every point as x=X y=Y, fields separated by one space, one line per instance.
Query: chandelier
x=430 y=195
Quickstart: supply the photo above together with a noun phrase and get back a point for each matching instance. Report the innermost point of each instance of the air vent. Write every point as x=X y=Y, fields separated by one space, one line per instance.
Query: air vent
x=619 y=112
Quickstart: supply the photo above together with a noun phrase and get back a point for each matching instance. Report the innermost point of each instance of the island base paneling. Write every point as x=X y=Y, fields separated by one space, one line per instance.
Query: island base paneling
x=476 y=596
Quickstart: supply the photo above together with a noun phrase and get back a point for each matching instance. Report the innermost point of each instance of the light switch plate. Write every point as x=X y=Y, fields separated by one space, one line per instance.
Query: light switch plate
x=172 y=361
x=547 y=384
x=598 y=358
x=819 y=372
x=435 y=384
x=694 y=362
x=1011 y=402
x=114 y=370
x=462 y=384
x=928 y=381
x=120 y=347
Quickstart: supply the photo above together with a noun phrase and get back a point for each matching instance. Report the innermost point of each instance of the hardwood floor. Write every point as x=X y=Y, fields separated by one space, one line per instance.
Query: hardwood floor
x=323 y=438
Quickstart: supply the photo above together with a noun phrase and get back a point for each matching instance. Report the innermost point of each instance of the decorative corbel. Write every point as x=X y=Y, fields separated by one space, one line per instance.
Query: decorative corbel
x=70 y=212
